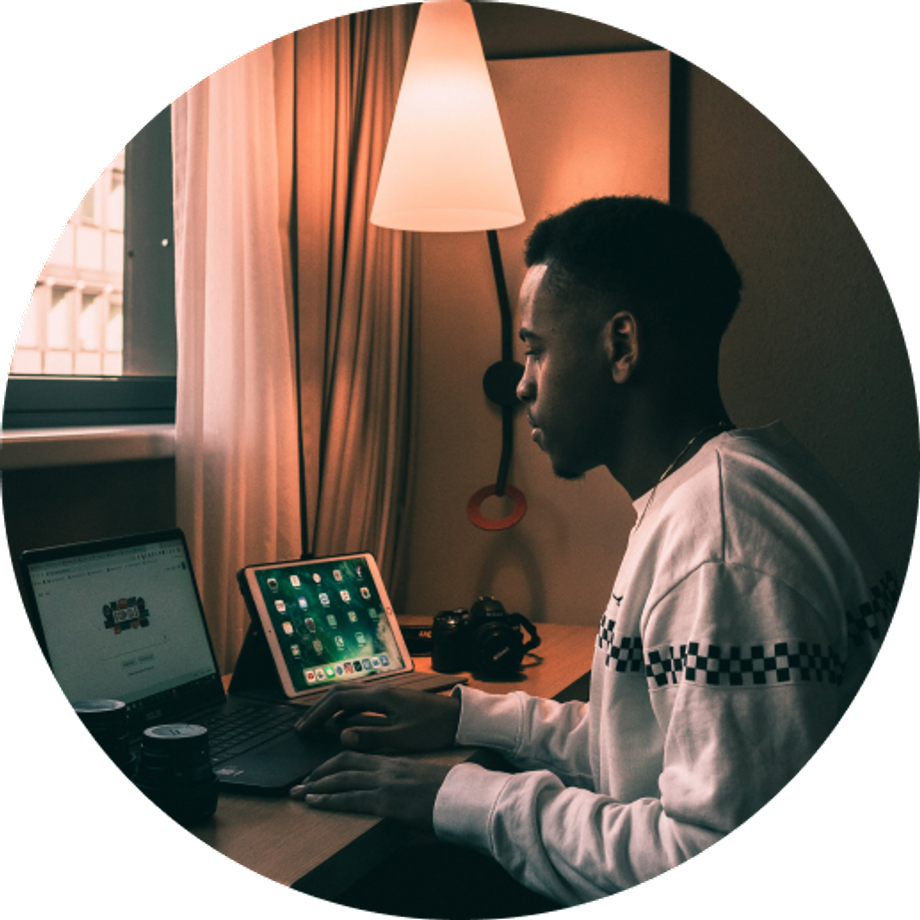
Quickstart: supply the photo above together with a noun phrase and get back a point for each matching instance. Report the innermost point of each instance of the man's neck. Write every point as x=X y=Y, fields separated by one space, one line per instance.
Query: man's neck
x=656 y=443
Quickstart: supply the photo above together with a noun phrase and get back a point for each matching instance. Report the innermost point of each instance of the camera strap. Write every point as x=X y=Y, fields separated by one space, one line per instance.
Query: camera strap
x=520 y=620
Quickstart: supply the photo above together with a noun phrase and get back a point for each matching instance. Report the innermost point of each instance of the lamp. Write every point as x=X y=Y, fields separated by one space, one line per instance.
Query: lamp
x=446 y=166
x=447 y=169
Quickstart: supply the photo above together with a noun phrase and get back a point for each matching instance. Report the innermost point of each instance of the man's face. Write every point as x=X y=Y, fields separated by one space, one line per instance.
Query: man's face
x=567 y=385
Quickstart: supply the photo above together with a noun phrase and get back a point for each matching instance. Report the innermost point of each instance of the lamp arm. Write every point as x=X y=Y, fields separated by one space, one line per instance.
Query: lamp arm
x=501 y=380
x=501 y=289
x=500 y=384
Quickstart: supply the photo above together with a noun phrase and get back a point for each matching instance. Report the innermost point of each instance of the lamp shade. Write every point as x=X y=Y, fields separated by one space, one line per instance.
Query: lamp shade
x=446 y=166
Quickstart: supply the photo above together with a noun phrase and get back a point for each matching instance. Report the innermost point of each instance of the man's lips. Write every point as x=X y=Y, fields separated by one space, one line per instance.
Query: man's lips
x=535 y=428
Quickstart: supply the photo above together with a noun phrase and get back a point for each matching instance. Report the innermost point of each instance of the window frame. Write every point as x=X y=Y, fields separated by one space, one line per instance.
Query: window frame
x=145 y=393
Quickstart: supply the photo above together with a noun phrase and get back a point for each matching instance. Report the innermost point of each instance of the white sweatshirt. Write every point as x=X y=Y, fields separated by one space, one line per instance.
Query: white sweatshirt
x=743 y=618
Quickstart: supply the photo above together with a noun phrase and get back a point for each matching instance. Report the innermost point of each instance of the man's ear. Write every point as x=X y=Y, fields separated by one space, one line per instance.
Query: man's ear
x=621 y=345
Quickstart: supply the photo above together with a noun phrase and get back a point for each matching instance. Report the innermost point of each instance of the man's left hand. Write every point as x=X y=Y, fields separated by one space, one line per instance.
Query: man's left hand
x=371 y=784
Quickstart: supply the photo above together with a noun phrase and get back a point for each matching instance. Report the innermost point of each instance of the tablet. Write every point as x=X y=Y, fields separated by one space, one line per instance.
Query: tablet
x=326 y=621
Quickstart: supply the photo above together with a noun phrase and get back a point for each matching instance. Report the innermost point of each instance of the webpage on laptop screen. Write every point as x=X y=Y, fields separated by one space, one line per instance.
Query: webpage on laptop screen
x=122 y=624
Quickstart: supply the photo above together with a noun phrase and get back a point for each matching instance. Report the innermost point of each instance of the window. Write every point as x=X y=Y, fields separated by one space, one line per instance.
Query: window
x=98 y=345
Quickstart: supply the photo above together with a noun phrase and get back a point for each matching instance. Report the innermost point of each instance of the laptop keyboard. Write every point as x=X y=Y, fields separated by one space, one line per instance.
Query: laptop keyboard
x=233 y=733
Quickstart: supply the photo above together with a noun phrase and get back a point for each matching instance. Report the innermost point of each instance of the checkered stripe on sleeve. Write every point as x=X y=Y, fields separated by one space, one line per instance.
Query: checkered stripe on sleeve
x=718 y=665
x=872 y=617
x=740 y=666
x=753 y=665
x=623 y=653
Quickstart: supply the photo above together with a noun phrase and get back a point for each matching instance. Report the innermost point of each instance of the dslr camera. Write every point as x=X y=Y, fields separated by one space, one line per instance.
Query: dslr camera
x=484 y=639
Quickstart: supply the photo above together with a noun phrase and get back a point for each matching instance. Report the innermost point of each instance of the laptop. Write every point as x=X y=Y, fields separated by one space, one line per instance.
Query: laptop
x=122 y=619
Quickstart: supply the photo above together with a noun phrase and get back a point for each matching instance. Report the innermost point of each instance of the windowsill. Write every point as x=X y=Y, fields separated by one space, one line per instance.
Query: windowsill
x=44 y=447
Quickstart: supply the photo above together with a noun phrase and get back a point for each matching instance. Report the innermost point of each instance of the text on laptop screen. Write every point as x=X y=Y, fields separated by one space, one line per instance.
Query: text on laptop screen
x=122 y=624
x=329 y=621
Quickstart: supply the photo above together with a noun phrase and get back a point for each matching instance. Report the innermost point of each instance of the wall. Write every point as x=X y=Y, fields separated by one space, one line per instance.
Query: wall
x=816 y=343
x=55 y=505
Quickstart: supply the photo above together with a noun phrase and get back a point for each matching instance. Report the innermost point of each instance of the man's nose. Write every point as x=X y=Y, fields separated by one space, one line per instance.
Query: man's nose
x=525 y=388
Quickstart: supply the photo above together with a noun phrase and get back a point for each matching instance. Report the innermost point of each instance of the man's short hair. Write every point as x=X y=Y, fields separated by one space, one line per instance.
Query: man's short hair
x=663 y=263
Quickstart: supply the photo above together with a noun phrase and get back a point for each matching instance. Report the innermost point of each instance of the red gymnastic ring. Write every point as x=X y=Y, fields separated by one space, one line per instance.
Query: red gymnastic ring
x=474 y=505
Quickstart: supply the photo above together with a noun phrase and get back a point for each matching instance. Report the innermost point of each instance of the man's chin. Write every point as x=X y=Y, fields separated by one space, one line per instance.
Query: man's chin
x=569 y=475
x=560 y=470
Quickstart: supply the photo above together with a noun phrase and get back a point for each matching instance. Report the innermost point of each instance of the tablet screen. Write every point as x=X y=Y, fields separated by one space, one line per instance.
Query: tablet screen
x=327 y=621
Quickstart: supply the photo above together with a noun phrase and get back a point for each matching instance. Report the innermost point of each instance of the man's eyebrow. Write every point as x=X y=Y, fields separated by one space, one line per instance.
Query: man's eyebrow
x=524 y=334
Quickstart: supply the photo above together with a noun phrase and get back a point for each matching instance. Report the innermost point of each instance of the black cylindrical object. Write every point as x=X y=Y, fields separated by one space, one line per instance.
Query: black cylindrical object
x=107 y=722
x=174 y=771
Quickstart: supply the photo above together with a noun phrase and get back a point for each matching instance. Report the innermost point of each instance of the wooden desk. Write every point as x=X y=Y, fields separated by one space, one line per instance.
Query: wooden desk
x=322 y=853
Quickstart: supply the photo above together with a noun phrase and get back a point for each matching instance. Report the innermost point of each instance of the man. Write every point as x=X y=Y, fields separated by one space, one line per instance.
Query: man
x=744 y=615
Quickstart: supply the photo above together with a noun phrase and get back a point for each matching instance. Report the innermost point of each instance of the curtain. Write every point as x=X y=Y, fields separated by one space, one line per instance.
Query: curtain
x=356 y=289
x=294 y=315
x=237 y=478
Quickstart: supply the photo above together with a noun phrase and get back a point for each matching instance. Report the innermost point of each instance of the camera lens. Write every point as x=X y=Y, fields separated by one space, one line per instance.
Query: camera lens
x=174 y=771
x=450 y=642
x=499 y=648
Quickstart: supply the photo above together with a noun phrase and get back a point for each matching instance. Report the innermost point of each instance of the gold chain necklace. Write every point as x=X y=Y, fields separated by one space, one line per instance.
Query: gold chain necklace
x=725 y=426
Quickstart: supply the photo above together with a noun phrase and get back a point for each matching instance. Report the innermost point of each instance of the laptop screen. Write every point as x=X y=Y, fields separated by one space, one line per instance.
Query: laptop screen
x=122 y=621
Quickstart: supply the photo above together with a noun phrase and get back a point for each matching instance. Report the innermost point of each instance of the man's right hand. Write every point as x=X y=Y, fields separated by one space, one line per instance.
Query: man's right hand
x=410 y=720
